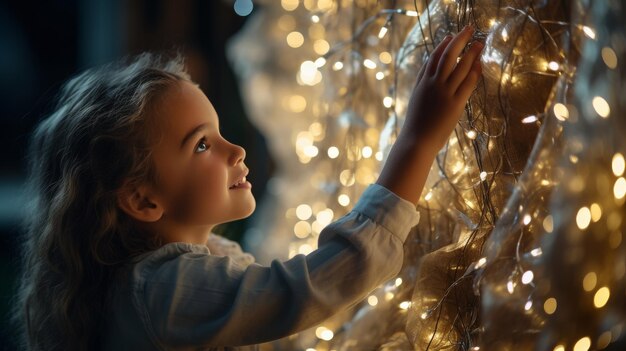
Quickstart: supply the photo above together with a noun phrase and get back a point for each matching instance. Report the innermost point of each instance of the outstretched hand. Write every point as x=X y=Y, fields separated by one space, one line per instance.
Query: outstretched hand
x=437 y=101
x=443 y=87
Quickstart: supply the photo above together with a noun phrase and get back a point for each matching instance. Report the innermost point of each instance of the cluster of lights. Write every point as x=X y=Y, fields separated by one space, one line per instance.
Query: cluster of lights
x=326 y=63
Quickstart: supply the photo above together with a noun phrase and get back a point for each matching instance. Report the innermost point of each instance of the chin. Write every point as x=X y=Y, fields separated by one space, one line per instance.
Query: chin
x=248 y=211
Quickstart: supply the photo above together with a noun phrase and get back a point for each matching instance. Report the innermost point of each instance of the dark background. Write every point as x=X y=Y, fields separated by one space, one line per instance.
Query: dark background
x=43 y=43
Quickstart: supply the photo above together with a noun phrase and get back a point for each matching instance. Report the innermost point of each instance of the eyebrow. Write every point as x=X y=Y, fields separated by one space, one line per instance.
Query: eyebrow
x=193 y=132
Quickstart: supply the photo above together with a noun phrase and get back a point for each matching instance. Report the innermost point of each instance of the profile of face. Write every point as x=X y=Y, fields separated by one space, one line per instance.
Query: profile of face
x=196 y=169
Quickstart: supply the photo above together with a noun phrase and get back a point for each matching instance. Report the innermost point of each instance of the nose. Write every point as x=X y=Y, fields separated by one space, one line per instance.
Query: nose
x=238 y=154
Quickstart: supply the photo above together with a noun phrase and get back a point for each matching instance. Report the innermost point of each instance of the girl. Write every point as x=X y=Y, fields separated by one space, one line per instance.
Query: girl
x=129 y=176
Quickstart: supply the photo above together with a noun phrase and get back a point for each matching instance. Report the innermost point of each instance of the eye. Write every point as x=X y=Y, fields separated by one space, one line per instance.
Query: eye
x=202 y=146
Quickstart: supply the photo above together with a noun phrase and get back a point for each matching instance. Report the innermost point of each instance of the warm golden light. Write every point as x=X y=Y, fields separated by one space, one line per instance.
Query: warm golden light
x=405 y=305
x=609 y=57
x=369 y=64
x=549 y=306
x=619 y=189
x=589 y=32
x=385 y=57
x=321 y=46
x=618 y=164
x=325 y=217
x=601 y=106
x=583 y=344
x=289 y=5
x=302 y=229
x=387 y=101
x=527 y=277
x=583 y=217
x=601 y=297
x=333 y=152
x=295 y=39
x=553 y=65
x=589 y=281
x=304 y=212
x=343 y=200
x=560 y=111
x=297 y=103
x=548 y=225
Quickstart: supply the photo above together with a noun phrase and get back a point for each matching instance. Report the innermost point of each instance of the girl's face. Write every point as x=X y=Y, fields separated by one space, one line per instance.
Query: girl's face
x=196 y=166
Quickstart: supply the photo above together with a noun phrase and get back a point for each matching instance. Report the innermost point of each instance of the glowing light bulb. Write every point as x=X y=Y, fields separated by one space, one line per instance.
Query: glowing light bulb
x=596 y=212
x=549 y=306
x=583 y=344
x=428 y=196
x=405 y=305
x=548 y=224
x=619 y=189
x=382 y=32
x=589 y=32
x=333 y=152
x=618 y=164
x=601 y=297
x=481 y=262
x=304 y=212
x=583 y=217
x=471 y=134
x=510 y=287
x=387 y=101
x=527 y=277
x=528 y=305
x=601 y=106
x=553 y=65
x=589 y=281
x=560 y=111
x=343 y=200
x=529 y=119
x=369 y=64
x=609 y=57
x=295 y=39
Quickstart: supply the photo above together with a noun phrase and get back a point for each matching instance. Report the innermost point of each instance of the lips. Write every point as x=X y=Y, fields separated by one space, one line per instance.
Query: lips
x=241 y=179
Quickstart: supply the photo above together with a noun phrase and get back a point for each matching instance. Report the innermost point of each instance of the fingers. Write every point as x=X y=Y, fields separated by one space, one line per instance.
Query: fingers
x=452 y=52
x=433 y=60
x=469 y=83
x=464 y=66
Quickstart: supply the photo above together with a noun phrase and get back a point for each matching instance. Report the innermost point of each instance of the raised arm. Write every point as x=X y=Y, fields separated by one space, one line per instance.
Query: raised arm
x=436 y=104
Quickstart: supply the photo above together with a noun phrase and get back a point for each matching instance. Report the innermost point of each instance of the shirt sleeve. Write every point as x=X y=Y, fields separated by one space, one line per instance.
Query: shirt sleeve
x=193 y=299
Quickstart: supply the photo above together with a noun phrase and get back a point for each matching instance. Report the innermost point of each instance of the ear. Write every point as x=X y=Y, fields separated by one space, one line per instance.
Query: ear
x=139 y=203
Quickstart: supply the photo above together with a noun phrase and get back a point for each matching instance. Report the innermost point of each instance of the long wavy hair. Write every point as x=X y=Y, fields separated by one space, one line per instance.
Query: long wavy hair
x=75 y=234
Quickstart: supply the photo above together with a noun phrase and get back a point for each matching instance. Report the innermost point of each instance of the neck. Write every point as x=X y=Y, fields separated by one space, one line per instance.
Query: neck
x=171 y=232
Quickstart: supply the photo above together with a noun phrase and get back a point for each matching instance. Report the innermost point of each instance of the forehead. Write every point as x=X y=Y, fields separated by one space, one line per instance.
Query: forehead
x=183 y=107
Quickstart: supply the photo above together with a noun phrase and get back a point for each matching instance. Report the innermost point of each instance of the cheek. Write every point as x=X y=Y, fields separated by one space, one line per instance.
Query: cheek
x=202 y=191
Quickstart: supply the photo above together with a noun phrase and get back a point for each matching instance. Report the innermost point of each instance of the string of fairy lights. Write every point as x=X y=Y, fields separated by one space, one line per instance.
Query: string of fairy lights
x=507 y=195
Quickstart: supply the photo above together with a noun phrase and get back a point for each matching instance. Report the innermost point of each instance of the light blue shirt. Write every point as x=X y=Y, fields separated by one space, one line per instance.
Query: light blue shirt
x=183 y=297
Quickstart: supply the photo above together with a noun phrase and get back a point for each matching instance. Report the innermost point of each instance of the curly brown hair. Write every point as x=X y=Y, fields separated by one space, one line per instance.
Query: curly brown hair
x=75 y=235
